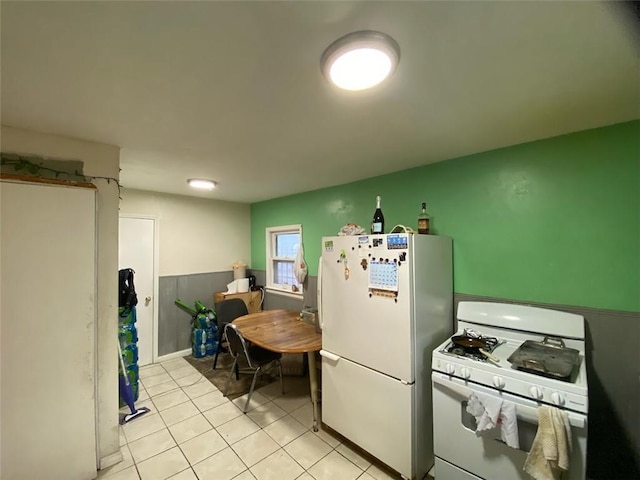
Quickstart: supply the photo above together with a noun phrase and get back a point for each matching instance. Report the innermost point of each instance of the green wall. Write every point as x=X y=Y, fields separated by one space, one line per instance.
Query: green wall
x=553 y=221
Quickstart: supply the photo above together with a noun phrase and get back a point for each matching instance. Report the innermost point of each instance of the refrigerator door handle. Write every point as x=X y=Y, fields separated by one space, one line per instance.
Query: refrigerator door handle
x=319 y=293
x=329 y=356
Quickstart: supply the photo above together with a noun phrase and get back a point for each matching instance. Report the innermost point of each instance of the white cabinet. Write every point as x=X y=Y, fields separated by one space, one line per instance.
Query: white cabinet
x=48 y=289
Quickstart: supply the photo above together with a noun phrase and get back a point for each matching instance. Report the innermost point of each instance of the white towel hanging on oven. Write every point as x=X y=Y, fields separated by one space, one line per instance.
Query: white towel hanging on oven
x=551 y=448
x=492 y=412
x=486 y=410
x=509 y=424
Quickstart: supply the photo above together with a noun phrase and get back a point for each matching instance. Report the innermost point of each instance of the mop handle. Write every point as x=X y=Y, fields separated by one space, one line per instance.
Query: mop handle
x=124 y=370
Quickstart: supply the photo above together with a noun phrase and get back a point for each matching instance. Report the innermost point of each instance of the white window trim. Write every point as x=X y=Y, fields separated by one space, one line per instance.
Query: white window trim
x=270 y=285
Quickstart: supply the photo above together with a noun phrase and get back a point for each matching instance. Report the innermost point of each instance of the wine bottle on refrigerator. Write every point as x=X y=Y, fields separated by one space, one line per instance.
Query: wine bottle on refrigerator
x=377 y=224
x=423 y=220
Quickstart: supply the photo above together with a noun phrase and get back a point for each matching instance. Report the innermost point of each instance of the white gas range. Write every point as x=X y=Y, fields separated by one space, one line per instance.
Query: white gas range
x=459 y=372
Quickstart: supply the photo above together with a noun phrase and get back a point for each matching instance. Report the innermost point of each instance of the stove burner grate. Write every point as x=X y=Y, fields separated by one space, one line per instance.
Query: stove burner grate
x=473 y=353
x=462 y=352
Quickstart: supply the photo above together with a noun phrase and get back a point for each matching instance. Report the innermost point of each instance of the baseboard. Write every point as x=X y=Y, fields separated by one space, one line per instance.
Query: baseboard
x=109 y=460
x=171 y=356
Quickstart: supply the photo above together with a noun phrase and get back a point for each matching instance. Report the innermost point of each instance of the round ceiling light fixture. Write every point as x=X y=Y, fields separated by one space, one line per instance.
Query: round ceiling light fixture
x=360 y=60
x=201 y=183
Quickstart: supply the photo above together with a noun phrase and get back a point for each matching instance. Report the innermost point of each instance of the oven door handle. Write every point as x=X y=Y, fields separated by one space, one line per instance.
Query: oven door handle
x=524 y=412
x=531 y=415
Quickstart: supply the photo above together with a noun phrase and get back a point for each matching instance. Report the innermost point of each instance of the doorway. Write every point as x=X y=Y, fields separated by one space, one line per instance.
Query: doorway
x=137 y=249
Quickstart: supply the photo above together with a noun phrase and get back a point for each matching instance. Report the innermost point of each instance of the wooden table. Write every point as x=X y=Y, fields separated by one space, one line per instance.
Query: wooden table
x=282 y=331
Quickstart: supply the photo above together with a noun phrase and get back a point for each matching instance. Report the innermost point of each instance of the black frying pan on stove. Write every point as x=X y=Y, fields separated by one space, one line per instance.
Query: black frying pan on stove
x=471 y=344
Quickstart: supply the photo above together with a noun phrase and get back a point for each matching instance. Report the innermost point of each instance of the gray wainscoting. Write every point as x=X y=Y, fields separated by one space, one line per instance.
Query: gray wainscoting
x=174 y=324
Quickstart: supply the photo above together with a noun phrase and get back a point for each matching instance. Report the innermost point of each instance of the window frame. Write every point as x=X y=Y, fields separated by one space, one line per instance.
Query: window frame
x=271 y=258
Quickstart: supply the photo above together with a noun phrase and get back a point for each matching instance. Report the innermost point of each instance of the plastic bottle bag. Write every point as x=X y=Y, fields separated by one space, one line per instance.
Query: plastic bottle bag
x=199 y=336
x=199 y=351
x=211 y=346
x=127 y=334
x=300 y=266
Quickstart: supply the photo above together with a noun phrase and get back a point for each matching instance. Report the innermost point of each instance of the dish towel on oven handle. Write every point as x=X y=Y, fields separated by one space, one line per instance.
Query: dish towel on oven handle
x=551 y=448
x=493 y=412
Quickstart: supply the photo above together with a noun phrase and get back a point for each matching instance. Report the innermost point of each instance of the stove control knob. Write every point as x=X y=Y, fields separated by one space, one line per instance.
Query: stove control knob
x=557 y=399
x=535 y=392
x=450 y=368
x=498 y=382
x=465 y=372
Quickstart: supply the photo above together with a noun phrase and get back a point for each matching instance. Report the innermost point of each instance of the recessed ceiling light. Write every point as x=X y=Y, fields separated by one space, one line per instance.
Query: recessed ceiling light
x=201 y=184
x=360 y=60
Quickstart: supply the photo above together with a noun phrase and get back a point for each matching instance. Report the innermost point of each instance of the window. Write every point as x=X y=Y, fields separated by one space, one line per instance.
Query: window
x=282 y=248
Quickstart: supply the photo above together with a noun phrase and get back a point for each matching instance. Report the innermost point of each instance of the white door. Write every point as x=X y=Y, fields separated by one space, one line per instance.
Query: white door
x=136 y=250
x=372 y=330
x=48 y=316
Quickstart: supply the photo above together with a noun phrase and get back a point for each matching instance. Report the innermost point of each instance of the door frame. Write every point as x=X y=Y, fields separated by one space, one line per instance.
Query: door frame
x=156 y=288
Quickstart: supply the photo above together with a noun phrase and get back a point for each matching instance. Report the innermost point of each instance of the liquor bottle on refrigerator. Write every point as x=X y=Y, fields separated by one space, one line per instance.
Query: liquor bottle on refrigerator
x=377 y=224
x=423 y=220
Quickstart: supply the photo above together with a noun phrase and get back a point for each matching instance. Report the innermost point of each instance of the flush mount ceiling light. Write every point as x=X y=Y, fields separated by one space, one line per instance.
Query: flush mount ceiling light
x=201 y=184
x=360 y=60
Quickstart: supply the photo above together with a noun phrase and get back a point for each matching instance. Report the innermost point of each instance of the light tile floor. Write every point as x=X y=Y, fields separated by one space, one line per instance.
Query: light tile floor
x=194 y=433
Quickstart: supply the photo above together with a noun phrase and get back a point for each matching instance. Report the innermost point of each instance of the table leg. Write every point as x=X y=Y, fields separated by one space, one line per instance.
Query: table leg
x=313 y=381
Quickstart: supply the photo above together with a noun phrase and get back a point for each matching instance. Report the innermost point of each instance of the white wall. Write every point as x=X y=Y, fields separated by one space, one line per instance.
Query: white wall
x=195 y=235
x=100 y=160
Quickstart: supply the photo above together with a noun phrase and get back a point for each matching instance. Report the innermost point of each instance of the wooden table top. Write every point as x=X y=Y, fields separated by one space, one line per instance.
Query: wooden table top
x=279 y=331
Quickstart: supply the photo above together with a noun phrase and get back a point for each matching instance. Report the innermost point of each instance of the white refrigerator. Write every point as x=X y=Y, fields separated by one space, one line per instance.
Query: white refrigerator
x=385 y=303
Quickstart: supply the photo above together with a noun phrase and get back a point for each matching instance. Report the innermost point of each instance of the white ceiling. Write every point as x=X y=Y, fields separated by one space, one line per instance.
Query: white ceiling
x=233 y=90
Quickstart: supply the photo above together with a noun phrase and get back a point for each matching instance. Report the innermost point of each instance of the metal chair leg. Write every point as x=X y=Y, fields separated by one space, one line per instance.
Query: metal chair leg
x=253 y=384
x=233 y=367
x=280 y=371
x=215 y=359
